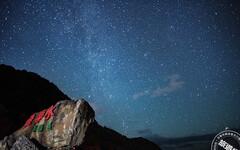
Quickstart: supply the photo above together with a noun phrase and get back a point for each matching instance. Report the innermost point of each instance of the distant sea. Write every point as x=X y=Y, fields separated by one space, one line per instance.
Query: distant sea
x=195 y=145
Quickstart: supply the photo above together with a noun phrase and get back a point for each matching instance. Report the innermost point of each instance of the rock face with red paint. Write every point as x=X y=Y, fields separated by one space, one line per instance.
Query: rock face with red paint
x=22 y=94
x=62 y=125
x=69 y=124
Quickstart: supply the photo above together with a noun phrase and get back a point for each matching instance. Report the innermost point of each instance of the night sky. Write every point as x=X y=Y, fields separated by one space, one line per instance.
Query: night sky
x=149 y=68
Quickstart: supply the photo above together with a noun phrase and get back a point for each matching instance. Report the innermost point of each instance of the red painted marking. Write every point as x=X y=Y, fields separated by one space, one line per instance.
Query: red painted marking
x=40 y=116
x=29 y=121
x=49 y=112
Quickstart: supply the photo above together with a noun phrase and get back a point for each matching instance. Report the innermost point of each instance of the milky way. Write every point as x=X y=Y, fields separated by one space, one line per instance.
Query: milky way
x=149 y=68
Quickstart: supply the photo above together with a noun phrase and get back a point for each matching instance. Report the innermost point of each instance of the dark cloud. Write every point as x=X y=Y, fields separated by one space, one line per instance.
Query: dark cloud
x=144 y=132
x=148 y=134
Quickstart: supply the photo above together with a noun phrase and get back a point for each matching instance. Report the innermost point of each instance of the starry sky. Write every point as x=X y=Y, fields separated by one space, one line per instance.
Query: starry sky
x=147 y=67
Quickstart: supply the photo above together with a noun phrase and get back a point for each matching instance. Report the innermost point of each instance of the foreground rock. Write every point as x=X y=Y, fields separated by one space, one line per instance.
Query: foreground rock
x=23 y=143
x=70 y=124
x=22 y=94
x=61 y=125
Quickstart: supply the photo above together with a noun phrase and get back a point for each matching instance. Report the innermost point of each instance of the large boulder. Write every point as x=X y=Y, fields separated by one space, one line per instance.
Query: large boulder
x=70 y=124
x=62 y=125
x=22 y=94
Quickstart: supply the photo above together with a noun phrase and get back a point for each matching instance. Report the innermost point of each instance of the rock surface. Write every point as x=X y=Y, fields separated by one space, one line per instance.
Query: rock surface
x=65 y=127
x=23 y=143
x=71 y=124
x=22 y=94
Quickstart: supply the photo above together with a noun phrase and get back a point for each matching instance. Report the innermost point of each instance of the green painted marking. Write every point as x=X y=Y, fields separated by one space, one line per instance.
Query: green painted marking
x=40 y=128
x=34 y=128
x=49 y=126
